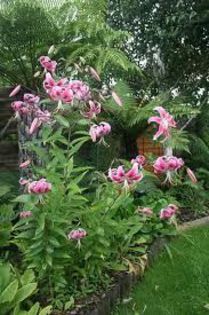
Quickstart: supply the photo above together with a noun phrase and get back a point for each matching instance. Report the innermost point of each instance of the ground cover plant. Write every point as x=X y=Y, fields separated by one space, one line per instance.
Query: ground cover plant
x=177 y=282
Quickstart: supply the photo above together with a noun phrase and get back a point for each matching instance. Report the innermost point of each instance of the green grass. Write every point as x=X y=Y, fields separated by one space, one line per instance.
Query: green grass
x=178 y=282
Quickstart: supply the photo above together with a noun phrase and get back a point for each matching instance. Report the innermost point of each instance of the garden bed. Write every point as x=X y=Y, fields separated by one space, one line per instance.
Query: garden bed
x=123 y=282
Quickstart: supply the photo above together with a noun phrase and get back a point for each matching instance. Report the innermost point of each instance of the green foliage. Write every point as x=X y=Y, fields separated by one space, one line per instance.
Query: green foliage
x=91 y=37
x=15 y=289
x=192 y=197
x=26 y=29
x=64 y=269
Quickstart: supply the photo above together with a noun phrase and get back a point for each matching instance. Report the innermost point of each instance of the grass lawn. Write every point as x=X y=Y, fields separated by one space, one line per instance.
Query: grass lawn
x=178 y=282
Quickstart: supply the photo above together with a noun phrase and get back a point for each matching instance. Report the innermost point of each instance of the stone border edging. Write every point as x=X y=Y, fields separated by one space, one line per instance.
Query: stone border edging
x=192 y=224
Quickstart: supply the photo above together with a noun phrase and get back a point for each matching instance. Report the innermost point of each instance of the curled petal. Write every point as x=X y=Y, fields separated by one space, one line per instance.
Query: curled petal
x=161 y=111
x=155 y=119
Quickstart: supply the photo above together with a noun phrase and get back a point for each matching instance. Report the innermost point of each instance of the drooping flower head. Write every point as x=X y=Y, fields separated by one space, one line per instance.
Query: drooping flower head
x=40 y=118
x=48 y=64
x=93 y=110
x=77 y=234
x=98 y=132
x=165 y=164
x=25 y=214
x=140 y=159
x=39 y=187
x=168 y=212
x=120 y=176
x=165 y=122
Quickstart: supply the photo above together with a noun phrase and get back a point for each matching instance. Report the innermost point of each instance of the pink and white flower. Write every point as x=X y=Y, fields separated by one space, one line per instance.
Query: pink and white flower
x=120 y=176
x=20 y=108
x=77 y=234
x=31 y=99
x=39 y=187
x=61 y=93
x=99 y=131
x=165 y=122
x=140 y=159
x=93 y=110
x=41 y=117
x=81 y=90
x=25 y=214
x=48 y=64
x=165 y=164
x=168 y=212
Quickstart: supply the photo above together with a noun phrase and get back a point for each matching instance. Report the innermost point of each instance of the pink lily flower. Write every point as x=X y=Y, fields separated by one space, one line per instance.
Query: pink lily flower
x=39 y=187
x=25 y=214
x=120 y=176
x=99 y=131
x=94 y=109
x=15 y=91
x=77 y=234
x=31 y=99
x=63 y=94
x=49 y=82
x=165 y=122
x=25 y=164
x=20 y=108
x=41 y=117
x=165 y=164
x=168 y=212
x=81 y=90
x=191 y=175
x=140 y=159
x=48 y=64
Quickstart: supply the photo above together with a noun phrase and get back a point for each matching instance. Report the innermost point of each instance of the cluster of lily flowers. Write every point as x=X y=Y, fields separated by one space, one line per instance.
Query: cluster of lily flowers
x=29 y=107
x=76 y=92
x=63 y=91
x=166 y=213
